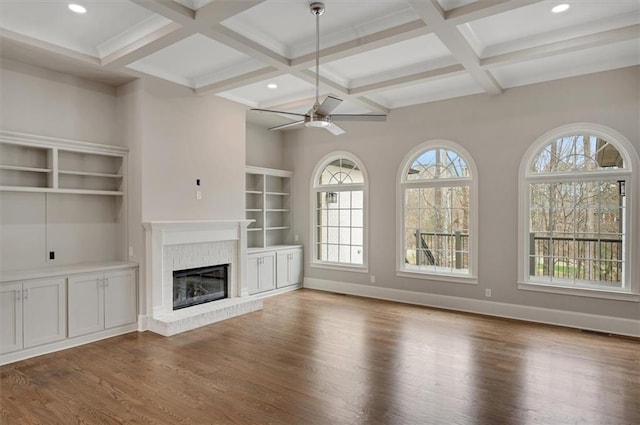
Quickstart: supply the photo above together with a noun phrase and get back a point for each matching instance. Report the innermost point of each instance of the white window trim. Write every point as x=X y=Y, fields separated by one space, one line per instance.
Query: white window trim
x=401 y=271
x=630 y=172
x=315 y=263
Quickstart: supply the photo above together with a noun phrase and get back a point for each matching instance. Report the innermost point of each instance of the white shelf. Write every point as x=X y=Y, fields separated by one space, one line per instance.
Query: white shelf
x=90 y=174
x=254 y=229
x=50 y=190
x=270 y=207
x=30 y=169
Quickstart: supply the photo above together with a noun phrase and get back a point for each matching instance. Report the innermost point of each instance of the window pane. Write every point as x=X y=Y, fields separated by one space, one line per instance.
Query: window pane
x=345 y=254
x=333 y=235
x=341 y=171
x=356 y=218
x=332 y=253
x=356 y=255
x=438 y=163
x=357 y=236
x=577 y=239
x=345 y=235
x=578 y=152
x=440 y=242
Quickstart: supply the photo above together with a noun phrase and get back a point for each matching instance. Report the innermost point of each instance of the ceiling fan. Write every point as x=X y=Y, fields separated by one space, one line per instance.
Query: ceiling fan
x=319 y=116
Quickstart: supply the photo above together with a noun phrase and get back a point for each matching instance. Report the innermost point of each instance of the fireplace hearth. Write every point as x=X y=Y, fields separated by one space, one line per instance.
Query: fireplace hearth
x=200 y=285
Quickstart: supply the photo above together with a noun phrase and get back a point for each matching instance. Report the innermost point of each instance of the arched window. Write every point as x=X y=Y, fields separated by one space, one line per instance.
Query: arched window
x=437 y=222
x=339 y=199
x=576 y=185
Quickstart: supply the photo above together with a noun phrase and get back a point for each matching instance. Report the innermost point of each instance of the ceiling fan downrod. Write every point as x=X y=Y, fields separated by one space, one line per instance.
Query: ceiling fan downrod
x=317 y=9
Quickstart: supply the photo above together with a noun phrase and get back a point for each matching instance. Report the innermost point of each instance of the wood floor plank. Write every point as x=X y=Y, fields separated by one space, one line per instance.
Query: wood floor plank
x=318 y=358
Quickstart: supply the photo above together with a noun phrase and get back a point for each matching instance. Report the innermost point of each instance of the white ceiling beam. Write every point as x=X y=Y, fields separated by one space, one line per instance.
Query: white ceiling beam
x=433 y=74
x=377 y=40
x=169 y=9
x=158 y=40
x=433 y=15
x=239 y=81
x=220 y=10
x=244 y=45
x=483 y=9
x=565 y=46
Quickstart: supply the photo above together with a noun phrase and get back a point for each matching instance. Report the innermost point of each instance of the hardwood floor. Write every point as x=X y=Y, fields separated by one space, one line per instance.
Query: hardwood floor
x=318 y=358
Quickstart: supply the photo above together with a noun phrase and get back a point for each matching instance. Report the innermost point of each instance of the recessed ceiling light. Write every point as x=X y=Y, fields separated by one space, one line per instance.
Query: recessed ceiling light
x=272 y=86
x=77 y=8
x=560 y=8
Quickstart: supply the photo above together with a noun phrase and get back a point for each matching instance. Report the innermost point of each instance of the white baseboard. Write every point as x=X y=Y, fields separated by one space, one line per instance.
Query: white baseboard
x=593 y=322
x=64 y=344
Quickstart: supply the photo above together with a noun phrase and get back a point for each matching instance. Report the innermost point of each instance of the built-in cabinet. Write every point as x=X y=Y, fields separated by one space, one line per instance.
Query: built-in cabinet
x=65 y=278
x=274 y=268
x=101 y=301
x=38 y=315
x=268 y=205
x=261 y=272
x=273 y=263
x=289 y=267
x=32 y=313
x=31 y=163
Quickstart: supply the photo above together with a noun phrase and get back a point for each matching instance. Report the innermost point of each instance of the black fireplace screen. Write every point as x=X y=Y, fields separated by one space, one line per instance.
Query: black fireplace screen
x=201 y=285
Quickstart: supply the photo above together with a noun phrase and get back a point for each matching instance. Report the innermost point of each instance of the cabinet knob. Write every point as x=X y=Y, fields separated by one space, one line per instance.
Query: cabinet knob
x=25 y=294
x=106 y=281
x=18 y=295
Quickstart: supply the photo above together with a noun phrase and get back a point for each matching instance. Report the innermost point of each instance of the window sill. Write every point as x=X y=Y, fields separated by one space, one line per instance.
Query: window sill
x=469 y=280
x=581 y=292
x=340 y=267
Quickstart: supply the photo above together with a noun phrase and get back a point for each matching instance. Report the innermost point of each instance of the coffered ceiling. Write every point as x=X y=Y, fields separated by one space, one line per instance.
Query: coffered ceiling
x=376 y=54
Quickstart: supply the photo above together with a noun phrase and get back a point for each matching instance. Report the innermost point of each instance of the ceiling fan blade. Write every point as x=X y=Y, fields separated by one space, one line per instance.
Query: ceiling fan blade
x=335 y=129
x=277 y=112
x=358 y=117
x=328 y=105
x=287 y=125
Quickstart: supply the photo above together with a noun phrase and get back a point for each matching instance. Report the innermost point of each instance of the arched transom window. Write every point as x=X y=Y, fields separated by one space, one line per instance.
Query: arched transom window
x=339 y=213
x=438 y=211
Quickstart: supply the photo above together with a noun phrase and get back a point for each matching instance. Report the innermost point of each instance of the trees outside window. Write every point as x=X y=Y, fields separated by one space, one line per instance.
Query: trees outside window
x=339 y=212
x=576 y=193
x=437 y=191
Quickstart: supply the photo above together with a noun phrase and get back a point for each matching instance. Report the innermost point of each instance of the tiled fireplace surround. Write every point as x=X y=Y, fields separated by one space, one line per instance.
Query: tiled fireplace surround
x=178 y=245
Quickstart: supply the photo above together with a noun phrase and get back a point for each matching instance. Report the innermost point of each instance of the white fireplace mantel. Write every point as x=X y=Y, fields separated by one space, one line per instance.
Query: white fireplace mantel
x=175 y=245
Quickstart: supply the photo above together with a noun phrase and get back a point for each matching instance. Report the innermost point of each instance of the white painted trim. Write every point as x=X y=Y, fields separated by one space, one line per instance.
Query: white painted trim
x=64 y=344
x=277 y=291
x=632 y=165
x=471 y=181
x=339 y=267
x=581 y=292
x=614 y=325
x=450 y=278
x=13 y=137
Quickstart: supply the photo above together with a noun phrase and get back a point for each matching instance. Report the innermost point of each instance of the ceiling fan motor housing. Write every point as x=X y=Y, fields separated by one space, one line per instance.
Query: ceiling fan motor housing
x=317 y=8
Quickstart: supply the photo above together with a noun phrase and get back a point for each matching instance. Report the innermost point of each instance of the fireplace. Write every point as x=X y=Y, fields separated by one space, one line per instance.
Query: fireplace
x=185 y=245
x=200 y=285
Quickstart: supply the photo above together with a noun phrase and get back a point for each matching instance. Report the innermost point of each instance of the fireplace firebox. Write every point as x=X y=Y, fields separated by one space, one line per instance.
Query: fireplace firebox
x=200 y=285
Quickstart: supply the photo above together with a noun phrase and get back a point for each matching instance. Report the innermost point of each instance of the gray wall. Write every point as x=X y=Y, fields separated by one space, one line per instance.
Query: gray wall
x=496 y=131
x=264 y=148
x=78 y=228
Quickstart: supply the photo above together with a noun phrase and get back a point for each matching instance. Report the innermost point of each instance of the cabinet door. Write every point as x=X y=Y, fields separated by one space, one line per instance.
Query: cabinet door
x=267 y=272
x=119 y=298
x=253 y=261
x=289 y=267
x=295 y=266
x=282 y=270
x=44 y=311
x=10 y=318
x=86 y=304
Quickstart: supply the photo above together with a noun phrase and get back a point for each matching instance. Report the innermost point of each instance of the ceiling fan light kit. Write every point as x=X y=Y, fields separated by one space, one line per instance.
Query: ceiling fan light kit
x=319 y=116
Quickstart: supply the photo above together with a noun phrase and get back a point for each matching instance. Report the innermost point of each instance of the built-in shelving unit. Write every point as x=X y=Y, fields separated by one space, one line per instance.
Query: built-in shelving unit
x=31 y=163
x=268 y=204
